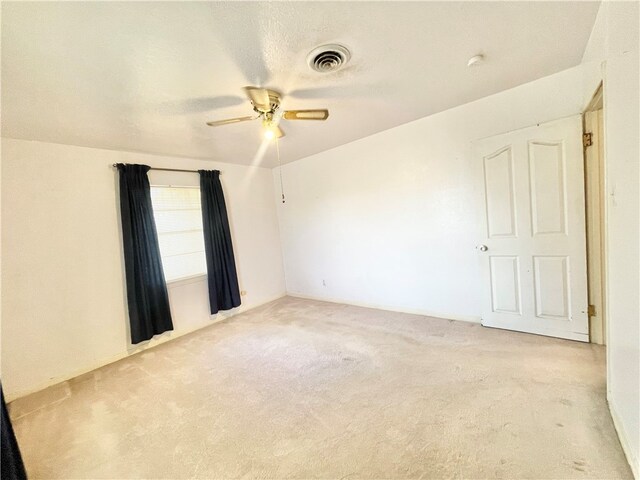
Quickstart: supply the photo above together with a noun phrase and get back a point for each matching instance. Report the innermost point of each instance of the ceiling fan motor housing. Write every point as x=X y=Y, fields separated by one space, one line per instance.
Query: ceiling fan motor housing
x=274 y=103
x=328 y=58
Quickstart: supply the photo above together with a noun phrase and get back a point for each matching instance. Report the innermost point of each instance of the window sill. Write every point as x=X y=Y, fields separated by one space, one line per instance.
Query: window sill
x=176 y=282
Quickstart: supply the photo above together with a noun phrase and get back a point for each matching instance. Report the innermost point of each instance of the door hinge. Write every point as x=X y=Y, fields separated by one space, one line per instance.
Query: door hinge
x=587 y=139
x=591 y=310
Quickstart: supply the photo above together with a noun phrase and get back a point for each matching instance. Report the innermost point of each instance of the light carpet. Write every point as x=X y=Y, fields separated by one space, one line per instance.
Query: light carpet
x=307 y=389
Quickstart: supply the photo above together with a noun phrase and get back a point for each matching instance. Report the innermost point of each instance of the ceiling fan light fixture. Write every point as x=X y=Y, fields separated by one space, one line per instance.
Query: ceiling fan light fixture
x=269 y=134
x=271 y=130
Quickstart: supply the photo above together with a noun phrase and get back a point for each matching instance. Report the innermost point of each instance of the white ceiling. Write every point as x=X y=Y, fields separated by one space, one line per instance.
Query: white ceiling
x=146 y=76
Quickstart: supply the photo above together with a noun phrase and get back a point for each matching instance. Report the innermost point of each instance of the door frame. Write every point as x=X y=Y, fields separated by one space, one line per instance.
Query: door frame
x=595 y=158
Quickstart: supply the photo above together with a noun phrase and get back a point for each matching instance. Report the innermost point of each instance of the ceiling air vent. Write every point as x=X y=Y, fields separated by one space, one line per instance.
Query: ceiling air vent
x=328 y=58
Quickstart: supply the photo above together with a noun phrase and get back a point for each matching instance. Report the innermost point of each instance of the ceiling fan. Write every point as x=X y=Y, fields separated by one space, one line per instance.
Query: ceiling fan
x=266 y=104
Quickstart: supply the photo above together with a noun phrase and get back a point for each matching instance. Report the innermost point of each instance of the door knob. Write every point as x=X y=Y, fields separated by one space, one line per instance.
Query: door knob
x=483 y=248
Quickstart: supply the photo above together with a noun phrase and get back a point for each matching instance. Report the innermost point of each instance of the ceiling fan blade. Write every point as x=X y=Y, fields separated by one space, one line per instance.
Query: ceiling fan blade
x=321 y=114
x=199 y=104
x=259 y=97
x=278 y=131
x=216 y=123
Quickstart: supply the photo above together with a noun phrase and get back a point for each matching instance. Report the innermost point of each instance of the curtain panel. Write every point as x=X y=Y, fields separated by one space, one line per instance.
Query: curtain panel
x=222 y=277
x=11 y=462
x=149 y=312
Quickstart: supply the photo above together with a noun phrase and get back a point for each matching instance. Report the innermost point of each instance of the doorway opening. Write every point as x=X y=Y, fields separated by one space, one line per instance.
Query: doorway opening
x=594 y=173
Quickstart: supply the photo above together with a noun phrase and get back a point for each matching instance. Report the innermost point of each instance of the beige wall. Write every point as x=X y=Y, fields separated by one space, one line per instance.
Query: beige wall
x=63 y=293
x=614 y=46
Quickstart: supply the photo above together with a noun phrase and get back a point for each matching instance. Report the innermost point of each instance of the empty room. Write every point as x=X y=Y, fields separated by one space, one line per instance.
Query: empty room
x=331 y=240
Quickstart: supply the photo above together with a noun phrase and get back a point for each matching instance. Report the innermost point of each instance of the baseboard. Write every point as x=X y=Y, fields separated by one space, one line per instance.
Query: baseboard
x=632 y=456
x=390 y=308
x=221 y=316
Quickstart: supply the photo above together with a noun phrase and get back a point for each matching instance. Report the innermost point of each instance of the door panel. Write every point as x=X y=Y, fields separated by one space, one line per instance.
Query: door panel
x=551 y=275
x=498 y=175
x=546 y=164
x=505 y=284
x=533 y=228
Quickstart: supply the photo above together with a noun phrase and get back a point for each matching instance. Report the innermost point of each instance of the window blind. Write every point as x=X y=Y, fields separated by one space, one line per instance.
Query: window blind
x=178 y=216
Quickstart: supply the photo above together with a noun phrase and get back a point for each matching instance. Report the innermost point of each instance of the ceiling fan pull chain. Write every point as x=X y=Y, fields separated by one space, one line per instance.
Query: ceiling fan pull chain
x=280 y=168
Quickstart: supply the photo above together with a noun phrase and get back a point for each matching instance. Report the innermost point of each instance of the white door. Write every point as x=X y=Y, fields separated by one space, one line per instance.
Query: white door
x=533 y=243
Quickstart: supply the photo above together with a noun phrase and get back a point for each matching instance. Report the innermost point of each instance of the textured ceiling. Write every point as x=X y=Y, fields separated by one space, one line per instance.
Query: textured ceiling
x=146 y=76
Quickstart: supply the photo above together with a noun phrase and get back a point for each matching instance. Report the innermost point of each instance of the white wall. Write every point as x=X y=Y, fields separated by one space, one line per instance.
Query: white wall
x=391 y=220
x=614 y=43
x=63 y=292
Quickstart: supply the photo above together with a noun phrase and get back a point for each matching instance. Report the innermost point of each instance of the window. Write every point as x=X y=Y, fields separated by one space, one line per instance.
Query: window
x=178 y=218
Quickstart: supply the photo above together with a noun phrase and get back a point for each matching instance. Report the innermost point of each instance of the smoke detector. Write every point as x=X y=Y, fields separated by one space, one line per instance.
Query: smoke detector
x=475 y=61
x=328 y=58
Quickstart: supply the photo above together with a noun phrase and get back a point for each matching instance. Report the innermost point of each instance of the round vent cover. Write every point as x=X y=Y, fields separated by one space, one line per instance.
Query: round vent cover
x=328 y=58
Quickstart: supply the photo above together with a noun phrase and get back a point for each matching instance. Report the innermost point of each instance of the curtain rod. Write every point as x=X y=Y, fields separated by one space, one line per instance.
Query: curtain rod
x=169 y=169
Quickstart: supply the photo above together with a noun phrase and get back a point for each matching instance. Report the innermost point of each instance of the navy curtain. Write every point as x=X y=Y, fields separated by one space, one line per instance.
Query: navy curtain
x=149 y=312
x=222 y=277
x=11 y=466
